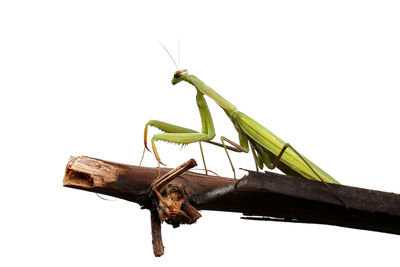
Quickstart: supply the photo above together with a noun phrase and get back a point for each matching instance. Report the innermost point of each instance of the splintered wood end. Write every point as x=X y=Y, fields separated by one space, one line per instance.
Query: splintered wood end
x=87 y=172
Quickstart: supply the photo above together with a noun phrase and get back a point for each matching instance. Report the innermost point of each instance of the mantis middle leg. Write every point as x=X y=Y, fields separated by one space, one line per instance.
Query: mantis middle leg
x=243 y=147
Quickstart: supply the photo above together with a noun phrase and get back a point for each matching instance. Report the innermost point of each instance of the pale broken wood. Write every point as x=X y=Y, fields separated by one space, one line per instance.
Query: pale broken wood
x=129 y=182
x=92 y=173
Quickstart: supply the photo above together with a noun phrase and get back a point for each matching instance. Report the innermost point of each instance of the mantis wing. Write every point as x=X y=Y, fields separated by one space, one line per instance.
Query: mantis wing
x=273 y=144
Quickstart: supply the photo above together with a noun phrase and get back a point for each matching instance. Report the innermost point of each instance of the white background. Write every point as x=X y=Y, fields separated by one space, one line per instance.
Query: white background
x=83 y=78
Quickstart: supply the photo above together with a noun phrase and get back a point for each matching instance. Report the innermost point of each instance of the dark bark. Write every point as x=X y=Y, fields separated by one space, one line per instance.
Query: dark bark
x=266 y=196
x=158 y=247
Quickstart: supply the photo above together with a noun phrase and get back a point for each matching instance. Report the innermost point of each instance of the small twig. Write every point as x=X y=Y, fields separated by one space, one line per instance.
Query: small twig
x=160 y=182
x=170 y=209
x=158 y=247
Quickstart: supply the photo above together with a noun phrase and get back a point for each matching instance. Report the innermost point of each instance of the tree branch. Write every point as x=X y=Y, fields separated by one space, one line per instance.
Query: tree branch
x=265 y=196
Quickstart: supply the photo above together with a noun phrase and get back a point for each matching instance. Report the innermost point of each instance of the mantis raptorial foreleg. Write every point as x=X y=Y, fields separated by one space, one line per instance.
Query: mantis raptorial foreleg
x=180 y=135
x=171 y=128
x=173 y=134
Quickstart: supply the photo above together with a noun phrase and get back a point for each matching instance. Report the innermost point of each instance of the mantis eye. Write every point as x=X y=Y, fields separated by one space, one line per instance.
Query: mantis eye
x=179 y=73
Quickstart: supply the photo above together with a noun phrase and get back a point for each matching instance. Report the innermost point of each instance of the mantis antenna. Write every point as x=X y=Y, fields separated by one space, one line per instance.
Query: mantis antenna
x=173 y=60
x=179 y=53
x=166 y=50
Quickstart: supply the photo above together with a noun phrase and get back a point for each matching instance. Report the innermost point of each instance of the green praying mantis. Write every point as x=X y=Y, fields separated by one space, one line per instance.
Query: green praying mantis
x=267 y=149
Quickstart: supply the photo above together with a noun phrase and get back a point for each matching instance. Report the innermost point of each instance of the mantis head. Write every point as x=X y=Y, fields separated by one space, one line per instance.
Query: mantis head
x=179 y=76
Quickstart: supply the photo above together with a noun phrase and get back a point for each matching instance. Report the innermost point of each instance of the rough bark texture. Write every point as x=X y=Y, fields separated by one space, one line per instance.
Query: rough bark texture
x=266 y=196
x=158 y=247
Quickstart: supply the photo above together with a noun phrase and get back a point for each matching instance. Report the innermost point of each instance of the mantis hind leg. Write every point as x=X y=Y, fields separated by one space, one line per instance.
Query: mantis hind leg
x=257 y=160
x=278 y=158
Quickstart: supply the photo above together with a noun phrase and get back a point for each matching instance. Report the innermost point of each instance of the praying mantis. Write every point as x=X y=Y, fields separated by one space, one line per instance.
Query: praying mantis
x=267 y=149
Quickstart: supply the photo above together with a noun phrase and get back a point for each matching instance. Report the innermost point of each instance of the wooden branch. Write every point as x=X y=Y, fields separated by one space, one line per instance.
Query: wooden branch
x=130 y=182
x=158 y=247
x=265 y=196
